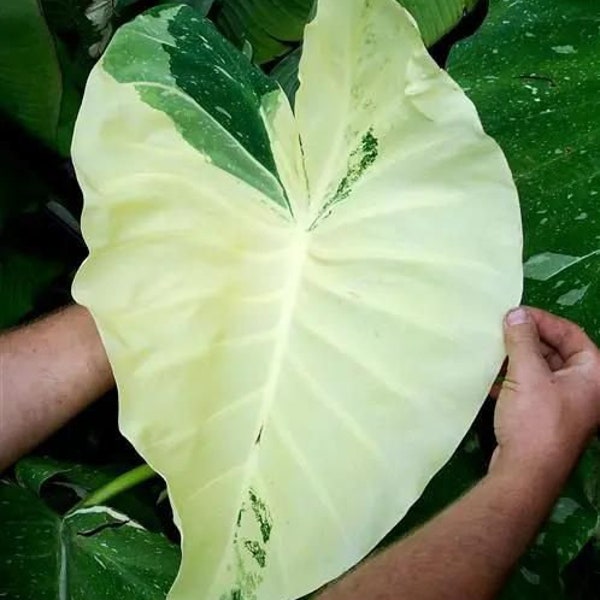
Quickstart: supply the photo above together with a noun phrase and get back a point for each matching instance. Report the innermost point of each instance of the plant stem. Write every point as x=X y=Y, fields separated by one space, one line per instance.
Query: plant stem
x=117 y=486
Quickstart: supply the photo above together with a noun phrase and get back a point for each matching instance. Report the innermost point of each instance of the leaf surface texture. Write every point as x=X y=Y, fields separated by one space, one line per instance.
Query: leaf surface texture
x=303 y=311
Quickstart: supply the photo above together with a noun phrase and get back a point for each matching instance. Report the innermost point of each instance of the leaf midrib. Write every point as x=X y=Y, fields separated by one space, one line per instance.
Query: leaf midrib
x=298 y=256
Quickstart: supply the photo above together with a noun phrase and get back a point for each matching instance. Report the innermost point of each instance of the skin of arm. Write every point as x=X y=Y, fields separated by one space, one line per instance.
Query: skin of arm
x=548 y=408
x=50 y=370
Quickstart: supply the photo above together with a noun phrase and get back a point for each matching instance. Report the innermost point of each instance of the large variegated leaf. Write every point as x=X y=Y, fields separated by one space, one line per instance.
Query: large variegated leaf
x=303 y=312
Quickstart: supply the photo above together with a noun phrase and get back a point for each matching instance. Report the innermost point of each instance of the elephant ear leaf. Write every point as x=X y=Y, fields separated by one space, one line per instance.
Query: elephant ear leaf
x=303 y=311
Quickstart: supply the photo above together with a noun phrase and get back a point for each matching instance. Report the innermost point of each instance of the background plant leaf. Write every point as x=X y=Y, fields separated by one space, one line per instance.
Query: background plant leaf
x=30 y=77
x=286 y=73
x=23 y=276
x=43 y=476
x=436 y=18
x=272 y=27
x=90 y=554
x=533 y=72
x=27 y=265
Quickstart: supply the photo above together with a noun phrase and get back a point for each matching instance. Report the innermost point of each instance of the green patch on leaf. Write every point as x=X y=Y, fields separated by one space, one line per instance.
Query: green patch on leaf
x=257 y=552
x=181 y=66
x=211 y=72
x=261 y=512
x=361 y=159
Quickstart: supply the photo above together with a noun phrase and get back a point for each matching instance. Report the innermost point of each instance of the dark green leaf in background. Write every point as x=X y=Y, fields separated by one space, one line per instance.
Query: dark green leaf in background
x=533 y=72
x=40 y=475
x=20 y=189
x=575 y=518
x=93 y=553
x=22 y=277
x=286 y=73
x=436 y=18
x=30 y=77
x=84 y=25
x=271 y=26
x=24 y=271
x=81 y=30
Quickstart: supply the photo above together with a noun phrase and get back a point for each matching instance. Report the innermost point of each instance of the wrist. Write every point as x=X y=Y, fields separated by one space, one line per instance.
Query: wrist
x=543 y=472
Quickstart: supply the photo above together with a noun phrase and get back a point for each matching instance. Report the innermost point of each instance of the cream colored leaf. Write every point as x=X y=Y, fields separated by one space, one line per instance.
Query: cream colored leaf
x=303 y=313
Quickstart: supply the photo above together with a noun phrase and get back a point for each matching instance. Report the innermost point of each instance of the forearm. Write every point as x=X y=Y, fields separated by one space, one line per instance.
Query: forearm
x=466 y=552
x=49 y=371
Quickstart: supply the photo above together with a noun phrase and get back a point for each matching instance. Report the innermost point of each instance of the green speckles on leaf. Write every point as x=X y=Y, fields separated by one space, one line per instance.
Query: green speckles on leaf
x=235 y=594
x=261 y=512
x=253 y=522
x=564 y=508
x=257 y=552
x=546 y=265
x=360 y=160
x=550 y=136
x=221 y=80
x=573 y=296
x=137 y=54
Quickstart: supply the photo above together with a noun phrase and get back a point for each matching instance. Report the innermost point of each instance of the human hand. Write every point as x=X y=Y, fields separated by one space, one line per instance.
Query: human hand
x=549 y=403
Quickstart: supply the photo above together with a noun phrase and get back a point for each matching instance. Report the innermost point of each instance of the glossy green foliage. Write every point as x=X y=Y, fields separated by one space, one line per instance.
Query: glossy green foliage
x=22 y=277
x=35 y=472
x=87 y=553
x=30 y=77
x=24 y=270
x=270 y=26
x=436 y=18
x=534 y=73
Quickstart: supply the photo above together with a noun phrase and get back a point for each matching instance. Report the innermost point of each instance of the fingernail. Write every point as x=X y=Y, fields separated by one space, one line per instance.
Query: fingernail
x=517 y=316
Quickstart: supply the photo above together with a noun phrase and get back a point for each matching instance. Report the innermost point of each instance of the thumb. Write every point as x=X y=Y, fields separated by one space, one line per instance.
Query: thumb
x=522 y=342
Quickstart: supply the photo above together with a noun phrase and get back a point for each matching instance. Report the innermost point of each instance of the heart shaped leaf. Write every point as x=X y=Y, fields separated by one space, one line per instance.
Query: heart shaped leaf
x=303 y=311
